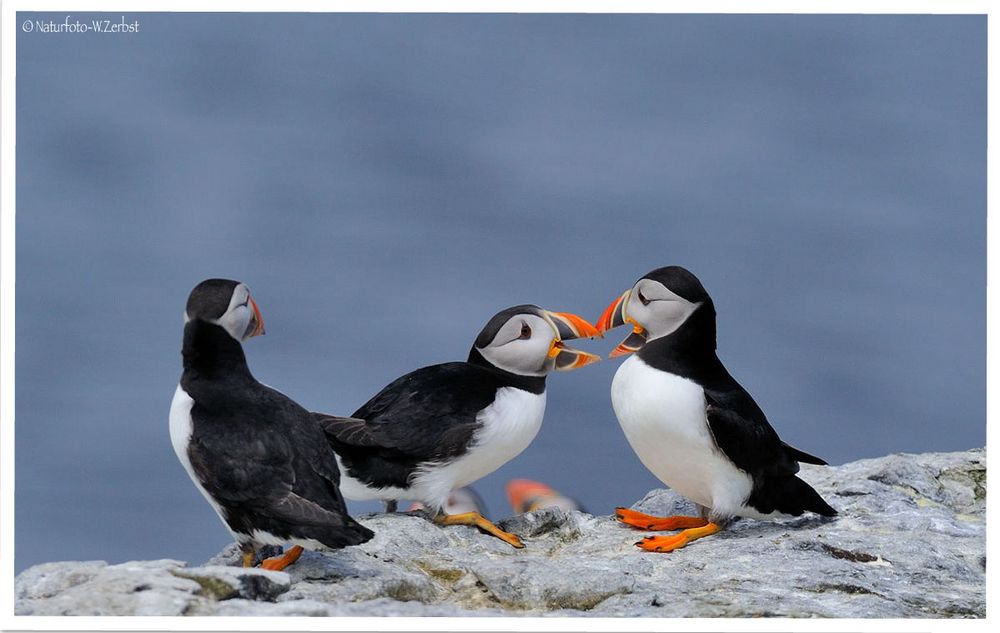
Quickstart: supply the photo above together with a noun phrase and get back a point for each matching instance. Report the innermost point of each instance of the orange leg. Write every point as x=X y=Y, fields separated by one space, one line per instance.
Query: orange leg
x=677 y=541
x=478 y=520
x=277 y=563
x=650 y=522
x=248 y=557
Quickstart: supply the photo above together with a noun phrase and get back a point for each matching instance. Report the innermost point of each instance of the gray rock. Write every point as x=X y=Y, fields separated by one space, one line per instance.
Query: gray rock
x=909 y=542
x=96 y=588
x=223 y=583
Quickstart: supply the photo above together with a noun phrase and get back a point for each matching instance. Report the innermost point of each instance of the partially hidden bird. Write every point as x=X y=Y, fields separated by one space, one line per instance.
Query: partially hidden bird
x=460 y=500
x=527 y=495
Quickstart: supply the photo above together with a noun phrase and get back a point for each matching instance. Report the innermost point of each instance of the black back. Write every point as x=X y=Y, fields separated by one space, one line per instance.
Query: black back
x=428 y=415
x=256 y=451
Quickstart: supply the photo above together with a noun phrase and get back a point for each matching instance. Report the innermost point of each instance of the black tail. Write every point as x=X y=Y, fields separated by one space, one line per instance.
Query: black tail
x=802 y=456
x=788 y=495
x=351 y=533
x=358 y=533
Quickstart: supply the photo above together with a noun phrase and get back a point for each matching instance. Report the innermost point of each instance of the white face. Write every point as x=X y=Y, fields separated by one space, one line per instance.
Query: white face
x=522 y=345
x=238 y=319
x=660 y=311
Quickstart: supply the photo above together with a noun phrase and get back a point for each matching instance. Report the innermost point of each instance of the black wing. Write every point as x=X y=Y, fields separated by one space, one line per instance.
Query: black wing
x=352 y=431
x=300 y=511
x=430 y=413
x=270 y=467
x=743 y=433
x=243 y=467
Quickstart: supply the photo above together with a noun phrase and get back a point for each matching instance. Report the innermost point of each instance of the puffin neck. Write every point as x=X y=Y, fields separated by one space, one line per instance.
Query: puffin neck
x=534 y=384
x=210 y=351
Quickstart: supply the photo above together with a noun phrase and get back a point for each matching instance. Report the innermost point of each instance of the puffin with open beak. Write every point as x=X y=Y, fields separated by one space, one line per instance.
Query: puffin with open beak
x=690 y=423
x=445 y=426
x=255 y=455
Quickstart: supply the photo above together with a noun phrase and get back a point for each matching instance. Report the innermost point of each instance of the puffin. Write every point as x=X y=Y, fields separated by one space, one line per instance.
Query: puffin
x=257 y=456
x=688 y=420
x=445 y=426
x=527 y=495
x=463 y=499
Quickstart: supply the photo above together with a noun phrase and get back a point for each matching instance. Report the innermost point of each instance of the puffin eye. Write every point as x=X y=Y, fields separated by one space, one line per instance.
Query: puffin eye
x=525 y=331
x=642 y=298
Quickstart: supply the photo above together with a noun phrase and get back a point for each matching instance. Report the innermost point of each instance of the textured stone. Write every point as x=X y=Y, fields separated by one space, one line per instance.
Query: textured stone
x=96 y=588
x=222 y=583
x=909 y=542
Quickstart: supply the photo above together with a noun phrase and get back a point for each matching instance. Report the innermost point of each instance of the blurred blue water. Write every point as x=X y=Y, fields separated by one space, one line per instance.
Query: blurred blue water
x=385 y=183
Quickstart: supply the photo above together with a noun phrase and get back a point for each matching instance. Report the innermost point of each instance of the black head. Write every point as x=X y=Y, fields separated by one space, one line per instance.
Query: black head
x=527 y=340
x=226 y=303
x=680 y=281
x=660 y=303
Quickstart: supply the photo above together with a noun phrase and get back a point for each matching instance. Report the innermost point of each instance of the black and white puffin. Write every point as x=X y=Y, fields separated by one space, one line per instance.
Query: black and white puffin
x=690 y=423
x=445 y=426
x=256 y=455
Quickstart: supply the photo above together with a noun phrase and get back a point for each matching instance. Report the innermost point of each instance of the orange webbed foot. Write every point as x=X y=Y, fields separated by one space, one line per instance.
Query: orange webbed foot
x=677 y=541
x=277 y=563
x=650 y=522
x=484 y=524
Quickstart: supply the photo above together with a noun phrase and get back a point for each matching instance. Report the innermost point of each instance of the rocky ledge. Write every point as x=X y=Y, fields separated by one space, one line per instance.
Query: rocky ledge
x=909 y=542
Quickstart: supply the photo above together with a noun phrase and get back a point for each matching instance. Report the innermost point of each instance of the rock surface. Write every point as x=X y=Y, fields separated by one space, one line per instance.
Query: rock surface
x=909 y=542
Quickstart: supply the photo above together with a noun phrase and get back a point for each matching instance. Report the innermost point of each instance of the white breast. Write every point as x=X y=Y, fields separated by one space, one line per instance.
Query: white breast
x=180 y=436
x=663 y=417
x=508 y=426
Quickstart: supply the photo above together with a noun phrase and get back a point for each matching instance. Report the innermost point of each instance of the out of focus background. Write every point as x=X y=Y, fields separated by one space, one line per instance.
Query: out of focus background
x=386 y=183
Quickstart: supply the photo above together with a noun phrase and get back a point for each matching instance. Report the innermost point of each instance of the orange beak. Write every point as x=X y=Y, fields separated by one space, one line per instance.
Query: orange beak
x=258 y=320
x=632 y=343
x=568 y=359
x=526 y=495
x=570 y=326
x=614 y=316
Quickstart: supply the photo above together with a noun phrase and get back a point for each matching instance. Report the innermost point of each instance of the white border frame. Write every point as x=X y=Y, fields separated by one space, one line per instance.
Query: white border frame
x=8 y=27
